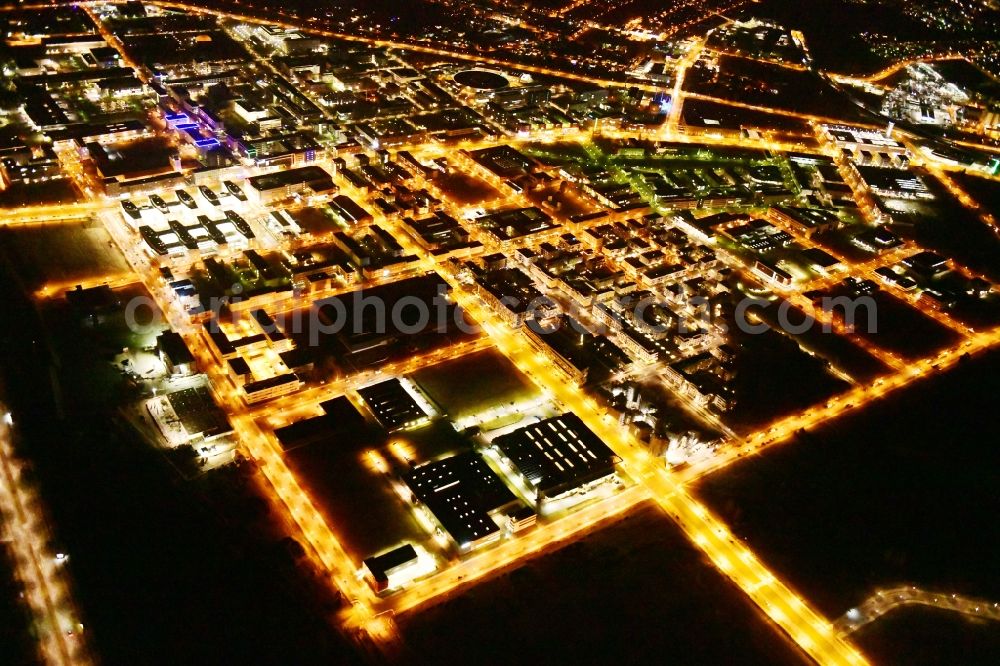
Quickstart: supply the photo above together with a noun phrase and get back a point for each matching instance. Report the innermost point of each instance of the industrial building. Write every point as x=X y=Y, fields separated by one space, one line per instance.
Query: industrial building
x=283 y=184
x=340 y=417
x=393 y=568
x=557 y=456
x=393 y=406
x=175 y=354
x=464 y=494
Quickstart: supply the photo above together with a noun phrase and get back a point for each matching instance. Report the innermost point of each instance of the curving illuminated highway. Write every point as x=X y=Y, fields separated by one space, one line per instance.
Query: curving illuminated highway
x=884 y=601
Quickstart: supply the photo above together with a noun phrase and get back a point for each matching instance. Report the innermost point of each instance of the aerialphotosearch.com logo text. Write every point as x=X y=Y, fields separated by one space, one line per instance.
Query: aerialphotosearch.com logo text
x=360 y=313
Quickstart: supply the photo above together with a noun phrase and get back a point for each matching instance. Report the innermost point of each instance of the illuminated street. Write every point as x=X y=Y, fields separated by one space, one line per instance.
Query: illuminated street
x=54 y=616
x=592 y=220
x=885 y=601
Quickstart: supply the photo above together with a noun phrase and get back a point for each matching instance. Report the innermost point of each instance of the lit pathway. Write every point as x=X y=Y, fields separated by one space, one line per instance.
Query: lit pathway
x=403 y=46
x=544 y=538
x=676 y=99
x=783 y=429
x=45 y=583
x=884 y=601
x=810 y=631
x=963 y=197
x=71 y=213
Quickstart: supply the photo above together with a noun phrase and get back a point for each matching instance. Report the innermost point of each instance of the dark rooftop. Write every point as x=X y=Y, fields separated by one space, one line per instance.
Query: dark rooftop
x=461 y=491
x=340 y=417
x=381 y=564
x=392 y=405
x=557 y=454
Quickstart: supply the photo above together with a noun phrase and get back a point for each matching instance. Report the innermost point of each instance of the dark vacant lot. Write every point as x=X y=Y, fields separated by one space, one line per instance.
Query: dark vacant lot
x=903 y=492
x=635 y=593
x=922 y=636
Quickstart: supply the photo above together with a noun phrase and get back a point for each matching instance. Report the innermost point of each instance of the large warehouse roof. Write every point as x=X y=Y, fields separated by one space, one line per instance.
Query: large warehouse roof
x=557 y=454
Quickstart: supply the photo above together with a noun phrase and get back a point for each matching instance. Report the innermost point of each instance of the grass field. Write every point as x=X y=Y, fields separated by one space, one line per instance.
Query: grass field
x=52 y=192
x=634 y=592
x=65 y=253
x=465 y=189
x=356 y=499
x=474 y=383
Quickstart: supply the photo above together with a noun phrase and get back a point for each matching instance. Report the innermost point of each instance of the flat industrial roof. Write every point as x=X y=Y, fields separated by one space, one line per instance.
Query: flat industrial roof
x=340 y=417
x=198 y=412
x=557 y=454
x=173 y=346
x=391 y=404
x=461 y=491
x=380 y=565
x=316 y=177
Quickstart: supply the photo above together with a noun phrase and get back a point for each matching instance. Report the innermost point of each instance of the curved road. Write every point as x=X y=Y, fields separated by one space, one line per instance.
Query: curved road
x=884 y=601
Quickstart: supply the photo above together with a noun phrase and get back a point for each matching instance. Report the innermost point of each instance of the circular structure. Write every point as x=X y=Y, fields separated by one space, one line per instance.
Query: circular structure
x=482 y=79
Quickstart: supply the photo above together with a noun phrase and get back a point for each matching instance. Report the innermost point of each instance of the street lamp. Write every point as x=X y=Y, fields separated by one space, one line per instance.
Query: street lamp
x=8 y=418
